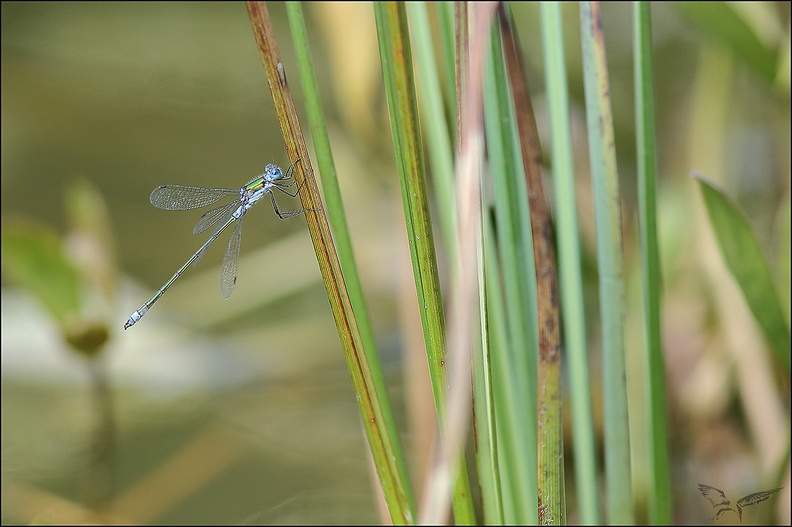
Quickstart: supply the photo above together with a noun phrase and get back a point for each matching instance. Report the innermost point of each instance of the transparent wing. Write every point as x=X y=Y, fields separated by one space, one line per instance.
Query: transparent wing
x=228 y=274
x=211 y=217
x=181 y=197
x=227 y=220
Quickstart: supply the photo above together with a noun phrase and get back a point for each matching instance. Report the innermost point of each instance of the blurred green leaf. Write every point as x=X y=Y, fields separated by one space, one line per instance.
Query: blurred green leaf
x=722 y=22
x=747 y=263
x=34 y=259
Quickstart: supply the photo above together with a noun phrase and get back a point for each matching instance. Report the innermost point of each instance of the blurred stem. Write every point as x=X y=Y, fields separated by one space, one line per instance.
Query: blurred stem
x=468 y=99
x=393 y=477
x=607 y=212
x=461 y=61
x=99 y=485
x=659 y=492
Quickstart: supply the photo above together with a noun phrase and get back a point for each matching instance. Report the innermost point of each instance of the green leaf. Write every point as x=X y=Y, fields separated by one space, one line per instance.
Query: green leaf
x=747 y=263
x=33 y=258
x=723 y=23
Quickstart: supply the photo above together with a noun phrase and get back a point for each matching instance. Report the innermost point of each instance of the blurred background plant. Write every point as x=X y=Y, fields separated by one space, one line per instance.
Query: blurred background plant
x=242 y=411
x=74 y=280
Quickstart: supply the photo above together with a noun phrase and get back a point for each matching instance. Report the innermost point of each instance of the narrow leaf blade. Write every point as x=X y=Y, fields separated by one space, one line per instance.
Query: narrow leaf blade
x=747 y=263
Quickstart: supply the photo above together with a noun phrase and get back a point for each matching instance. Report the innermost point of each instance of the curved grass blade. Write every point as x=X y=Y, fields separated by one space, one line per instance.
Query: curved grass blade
x=747 y=263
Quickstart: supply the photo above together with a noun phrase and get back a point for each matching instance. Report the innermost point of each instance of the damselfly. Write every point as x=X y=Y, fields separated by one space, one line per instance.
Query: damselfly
x=180 y=197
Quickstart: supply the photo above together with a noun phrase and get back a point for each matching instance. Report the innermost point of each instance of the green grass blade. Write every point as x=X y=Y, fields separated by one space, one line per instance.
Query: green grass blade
x=517 y=360
x=607 y=211
x=337 y=217
x=747 y=263
x=551 y=488
x=439 y=146
x=396 y=59
x=507 y=410
x=445 y=12
x=484 y=409
x=660 y=500
x=570 y=277
x=471 y=44
x=395 y=482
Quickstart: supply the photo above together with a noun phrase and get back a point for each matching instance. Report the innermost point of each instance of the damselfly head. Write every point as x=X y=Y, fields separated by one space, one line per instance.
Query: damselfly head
x=272 y=172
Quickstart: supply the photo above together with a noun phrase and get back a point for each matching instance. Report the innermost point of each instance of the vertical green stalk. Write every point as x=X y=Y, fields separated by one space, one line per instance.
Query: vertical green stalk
x=607 y=212
x=514 y=365
x=551 y=488
x=437 y=137
x=571 y=282
x=393 y=477
x=471 y=46
x=484 y=405
x=660 y=505
x=445 y=12
x=397 y=67
x=335 y=212
x=507 y=410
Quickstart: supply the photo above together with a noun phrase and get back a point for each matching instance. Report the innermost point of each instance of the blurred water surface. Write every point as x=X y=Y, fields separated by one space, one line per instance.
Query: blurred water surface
x=208 y=430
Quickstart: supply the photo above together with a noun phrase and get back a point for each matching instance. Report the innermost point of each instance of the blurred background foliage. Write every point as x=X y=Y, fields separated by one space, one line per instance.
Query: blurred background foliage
x=242 y=411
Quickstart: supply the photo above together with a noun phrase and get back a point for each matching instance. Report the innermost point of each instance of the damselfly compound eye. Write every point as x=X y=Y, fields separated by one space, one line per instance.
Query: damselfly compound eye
x=273 y=172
